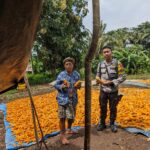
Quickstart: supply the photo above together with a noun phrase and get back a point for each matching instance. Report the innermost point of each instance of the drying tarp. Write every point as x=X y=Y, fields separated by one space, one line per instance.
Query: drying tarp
x=130 y=83
x=11 y=144
x=18 y=21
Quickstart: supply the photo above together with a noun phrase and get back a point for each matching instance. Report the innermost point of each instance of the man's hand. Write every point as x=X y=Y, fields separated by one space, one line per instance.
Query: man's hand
x=98 y=80
x=77 y=85
x=102 y=81
x=107 y=82
x=63 y=86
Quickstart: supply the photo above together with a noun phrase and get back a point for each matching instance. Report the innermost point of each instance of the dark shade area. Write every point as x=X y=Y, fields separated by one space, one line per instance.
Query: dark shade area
x=18 y=21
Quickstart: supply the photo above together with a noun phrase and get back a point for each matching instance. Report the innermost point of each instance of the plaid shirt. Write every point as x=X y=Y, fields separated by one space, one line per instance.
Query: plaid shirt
x=63 y=94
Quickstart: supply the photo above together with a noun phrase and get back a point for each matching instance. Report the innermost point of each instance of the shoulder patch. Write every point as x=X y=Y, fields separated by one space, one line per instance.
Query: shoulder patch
x=120 y=67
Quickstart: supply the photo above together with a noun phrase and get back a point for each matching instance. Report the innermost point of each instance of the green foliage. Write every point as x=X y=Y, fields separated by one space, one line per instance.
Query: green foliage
x=141 y=34
x=61 y=34
x=139 y=76
x=134 y=59
x=95 y=63
x=119 y=38
x=82 y=73
x=131 y=47
x=35 y=79
x=37 y=65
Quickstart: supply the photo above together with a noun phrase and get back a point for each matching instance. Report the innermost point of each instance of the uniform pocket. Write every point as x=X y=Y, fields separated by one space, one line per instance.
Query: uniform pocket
x=112 y=71
x=113 y=67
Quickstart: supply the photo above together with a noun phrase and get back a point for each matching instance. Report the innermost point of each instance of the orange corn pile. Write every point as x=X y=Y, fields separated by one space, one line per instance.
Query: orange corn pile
x=133 y=110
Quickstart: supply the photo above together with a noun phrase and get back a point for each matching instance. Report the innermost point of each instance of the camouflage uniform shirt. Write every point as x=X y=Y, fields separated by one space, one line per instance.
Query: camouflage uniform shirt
x=113 y=71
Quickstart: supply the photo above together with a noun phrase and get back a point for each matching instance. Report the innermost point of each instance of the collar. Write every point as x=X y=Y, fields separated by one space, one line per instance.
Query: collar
x=68 y=73
x=110 y=63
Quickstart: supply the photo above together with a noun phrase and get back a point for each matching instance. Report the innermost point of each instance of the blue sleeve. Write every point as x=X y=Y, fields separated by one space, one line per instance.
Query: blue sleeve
x=77 y=75
x=58 y=83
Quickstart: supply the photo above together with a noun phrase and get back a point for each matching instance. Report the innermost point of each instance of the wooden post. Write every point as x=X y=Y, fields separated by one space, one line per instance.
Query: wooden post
x=88 y=61
x=33 y=112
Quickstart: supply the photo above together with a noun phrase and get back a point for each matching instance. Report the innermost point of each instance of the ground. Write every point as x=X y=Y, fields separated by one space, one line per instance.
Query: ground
x=105 y=140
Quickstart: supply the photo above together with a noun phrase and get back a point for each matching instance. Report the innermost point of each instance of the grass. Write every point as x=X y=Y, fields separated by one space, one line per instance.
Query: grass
x=130 y=77
x=139 y=76
x=13 y=94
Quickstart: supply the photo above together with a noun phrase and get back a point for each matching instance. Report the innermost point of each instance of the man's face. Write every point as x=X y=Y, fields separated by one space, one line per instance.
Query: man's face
x=68 y=66
x=107 y=53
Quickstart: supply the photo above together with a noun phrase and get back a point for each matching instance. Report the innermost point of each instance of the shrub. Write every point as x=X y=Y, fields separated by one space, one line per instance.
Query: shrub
x=35 y=79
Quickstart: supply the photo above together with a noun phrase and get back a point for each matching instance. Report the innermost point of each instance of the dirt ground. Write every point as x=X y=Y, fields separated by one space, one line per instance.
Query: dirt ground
x=105 y=140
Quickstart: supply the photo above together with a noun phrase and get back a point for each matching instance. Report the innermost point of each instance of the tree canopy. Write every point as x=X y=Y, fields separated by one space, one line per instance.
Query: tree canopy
x=61 y=33
x=131 y=46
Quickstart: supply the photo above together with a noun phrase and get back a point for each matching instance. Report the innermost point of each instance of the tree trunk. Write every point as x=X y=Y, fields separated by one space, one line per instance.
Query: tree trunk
x=18 y=21
x=88 y=60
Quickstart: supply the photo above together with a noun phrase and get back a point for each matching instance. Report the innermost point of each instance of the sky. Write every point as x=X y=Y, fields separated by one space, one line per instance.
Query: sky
x=120 y=13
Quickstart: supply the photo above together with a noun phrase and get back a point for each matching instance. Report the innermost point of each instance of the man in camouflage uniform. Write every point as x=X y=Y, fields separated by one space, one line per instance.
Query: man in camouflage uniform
x=110 y=74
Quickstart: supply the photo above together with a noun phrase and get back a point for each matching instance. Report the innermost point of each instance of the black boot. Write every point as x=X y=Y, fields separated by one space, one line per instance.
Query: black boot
x=113 y=128
x=101 y=127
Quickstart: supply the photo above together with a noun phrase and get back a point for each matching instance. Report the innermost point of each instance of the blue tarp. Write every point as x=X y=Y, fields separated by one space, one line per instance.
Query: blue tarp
x=138 y=131
x=10 y=139
x=130 y=83
x=11 y=143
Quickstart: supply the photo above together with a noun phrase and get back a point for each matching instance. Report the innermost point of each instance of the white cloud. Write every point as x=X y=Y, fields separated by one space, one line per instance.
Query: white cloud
x=121 y=13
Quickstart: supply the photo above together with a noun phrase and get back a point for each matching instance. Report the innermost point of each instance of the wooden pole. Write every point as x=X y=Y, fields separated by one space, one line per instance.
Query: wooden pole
x=88 y=60
x=35 y=116
x=33 y=112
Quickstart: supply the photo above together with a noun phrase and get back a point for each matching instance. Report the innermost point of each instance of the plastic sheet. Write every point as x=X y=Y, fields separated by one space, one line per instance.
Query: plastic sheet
x=129 y=83
x=10 y=139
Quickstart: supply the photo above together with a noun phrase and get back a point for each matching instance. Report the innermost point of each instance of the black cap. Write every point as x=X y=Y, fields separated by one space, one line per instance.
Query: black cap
x=109 y=47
